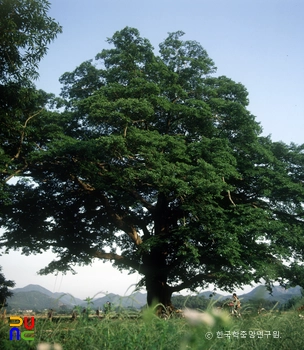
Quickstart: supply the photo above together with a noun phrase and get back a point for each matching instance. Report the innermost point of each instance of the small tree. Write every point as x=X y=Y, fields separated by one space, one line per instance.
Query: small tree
x=4 y=291
x=25 y=32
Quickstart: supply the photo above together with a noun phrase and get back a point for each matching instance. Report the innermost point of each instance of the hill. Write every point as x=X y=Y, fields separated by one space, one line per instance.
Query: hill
x=58 y=298
x=36 y=297
x=136 y=300
x=32 y=300
x=279 y=294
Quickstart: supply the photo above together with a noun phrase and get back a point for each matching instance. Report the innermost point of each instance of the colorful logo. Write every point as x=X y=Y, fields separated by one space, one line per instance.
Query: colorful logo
x=29 y=324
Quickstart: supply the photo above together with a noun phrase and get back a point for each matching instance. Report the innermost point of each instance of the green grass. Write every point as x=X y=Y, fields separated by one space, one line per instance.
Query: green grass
x=149 y=332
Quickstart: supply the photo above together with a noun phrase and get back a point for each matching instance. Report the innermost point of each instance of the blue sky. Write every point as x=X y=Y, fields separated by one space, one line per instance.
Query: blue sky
x=257 y=43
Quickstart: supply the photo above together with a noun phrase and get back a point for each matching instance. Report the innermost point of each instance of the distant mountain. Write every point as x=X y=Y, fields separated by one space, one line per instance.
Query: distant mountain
x=33 y=287
x=32 y=300
x=136 y=300
x=61 y=298
x=36 y=297
x=279 y=294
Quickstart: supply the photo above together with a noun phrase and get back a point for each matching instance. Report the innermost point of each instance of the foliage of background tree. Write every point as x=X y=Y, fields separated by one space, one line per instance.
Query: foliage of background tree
x=157 y=165
x=25 y=32
x=4 y=291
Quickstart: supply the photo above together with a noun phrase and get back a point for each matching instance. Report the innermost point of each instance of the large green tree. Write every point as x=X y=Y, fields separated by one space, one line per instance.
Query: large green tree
x=157 y=165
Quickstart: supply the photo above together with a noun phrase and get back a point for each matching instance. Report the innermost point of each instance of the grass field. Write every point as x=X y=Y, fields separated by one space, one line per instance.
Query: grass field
x=212 y=329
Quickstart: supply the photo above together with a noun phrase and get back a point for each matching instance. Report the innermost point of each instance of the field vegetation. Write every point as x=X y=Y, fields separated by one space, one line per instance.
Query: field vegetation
x=213 y=328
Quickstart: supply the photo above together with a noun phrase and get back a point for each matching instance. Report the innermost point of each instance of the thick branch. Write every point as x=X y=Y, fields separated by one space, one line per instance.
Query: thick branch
x=120 y=223
x=145 y=203
x=117 y=220
x=85 y=186
x=229 y=195
x=16 y=156
x=190 y=282
x=15 y=173
x=119 y=259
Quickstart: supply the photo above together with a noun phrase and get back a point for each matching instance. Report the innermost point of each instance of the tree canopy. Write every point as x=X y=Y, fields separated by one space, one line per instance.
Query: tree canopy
x=157 y=165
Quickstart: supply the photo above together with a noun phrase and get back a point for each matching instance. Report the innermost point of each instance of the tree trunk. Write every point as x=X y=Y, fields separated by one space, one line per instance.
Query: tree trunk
x=155 y=262
x=158 y=291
